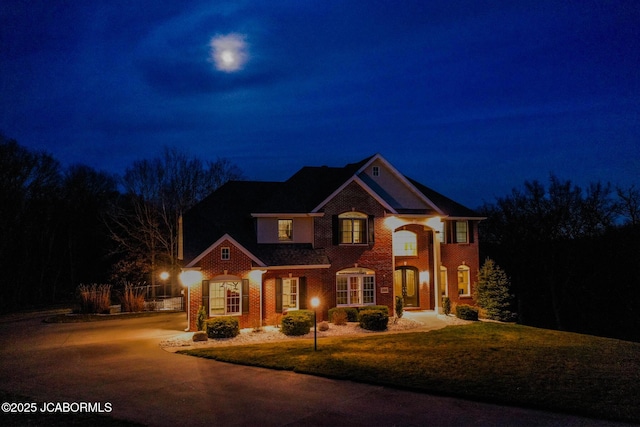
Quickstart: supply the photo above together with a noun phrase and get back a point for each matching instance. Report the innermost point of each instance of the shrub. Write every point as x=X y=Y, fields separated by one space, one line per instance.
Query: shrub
x=295 y=324
x=351 y=312
x=132 y=299
x=399 y=306
x=323 y=326
x=339 y=317
x=201 y=318
x=307 y=313
x=200 y=336
x=466 y=312
x=382 y=308
x=223 y=327
x=446 y=305
x=492 y=292
x=374 y=320
x=95 y=298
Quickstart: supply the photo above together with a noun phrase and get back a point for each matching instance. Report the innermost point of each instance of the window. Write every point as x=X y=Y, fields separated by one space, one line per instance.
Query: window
x=376 y=171
x=355 y=286
x=462 y=233
x=285 y=229
x=225 y=254
x=290 y=294
x=352 y=228
x=444 y=281
x=225 y=297
x=464 y=282
x=405 y=243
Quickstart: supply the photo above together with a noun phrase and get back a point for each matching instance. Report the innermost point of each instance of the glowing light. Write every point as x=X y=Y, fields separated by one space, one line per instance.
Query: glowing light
x=315 y=302
x=256 y=275
x=229 y=52
x=190 y=277
x=424 y=277
x=164 y=275
x=393 y=222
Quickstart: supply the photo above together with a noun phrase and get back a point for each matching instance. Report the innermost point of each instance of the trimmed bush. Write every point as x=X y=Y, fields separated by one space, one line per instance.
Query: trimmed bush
x=446 y=305
x=295 y=324
x=223 y=327
x=374 y=320
x=382 y=308
x=351 y=312
x=466 y=312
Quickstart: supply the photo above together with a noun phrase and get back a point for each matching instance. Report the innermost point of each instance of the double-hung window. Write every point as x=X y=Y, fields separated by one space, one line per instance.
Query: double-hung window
x=462 y=232
x=353 y=228
x=225 y=298
x=290 y=294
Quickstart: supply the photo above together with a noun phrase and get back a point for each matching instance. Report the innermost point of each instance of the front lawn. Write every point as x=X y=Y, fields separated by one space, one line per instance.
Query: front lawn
x=509 y=364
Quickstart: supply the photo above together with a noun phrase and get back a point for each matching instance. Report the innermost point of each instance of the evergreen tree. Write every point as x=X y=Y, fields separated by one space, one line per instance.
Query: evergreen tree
x=492 y=292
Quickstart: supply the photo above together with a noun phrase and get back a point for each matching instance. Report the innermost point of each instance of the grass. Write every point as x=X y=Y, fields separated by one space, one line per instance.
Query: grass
x=500 y=363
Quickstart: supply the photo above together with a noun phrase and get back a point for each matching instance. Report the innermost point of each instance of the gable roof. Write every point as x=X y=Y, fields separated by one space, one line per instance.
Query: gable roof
x=229 y=209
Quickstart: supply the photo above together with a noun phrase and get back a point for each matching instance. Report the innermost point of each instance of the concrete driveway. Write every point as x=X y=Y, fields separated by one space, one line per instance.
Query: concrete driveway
x=120 y=362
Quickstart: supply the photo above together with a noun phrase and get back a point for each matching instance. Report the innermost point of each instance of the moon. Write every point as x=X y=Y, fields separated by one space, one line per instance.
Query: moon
x=229 y=53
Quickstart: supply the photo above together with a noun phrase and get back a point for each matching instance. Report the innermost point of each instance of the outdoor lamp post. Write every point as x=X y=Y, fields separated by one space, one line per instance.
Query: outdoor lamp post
x=315 y=302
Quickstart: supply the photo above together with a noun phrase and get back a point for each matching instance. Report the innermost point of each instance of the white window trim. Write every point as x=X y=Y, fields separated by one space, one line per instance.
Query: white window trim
x=467 y=272
x=237 y=285
x=288 y=280
x=359 y=275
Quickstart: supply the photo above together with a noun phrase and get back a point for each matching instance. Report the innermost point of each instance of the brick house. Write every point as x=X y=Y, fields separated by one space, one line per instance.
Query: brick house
x=356 y=235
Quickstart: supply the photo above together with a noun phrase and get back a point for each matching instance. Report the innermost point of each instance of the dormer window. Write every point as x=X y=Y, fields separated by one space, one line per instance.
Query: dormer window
x=285 y=230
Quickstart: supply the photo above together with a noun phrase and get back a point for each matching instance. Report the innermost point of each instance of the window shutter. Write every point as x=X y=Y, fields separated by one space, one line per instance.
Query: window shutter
x=278 y=295
x=245 y=296
x=470 y=231
x=205 y=296
x=335 y=229
x=302 y=284
x=370 y=226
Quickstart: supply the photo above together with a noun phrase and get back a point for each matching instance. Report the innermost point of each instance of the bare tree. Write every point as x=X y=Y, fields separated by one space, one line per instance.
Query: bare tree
x=628 y=205
x=157 y=192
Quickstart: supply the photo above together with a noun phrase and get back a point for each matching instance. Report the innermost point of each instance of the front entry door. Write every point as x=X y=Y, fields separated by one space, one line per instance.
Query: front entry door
x=405 y=283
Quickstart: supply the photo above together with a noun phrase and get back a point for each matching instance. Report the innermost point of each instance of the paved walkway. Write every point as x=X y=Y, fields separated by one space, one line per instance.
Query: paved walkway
x=121 y=362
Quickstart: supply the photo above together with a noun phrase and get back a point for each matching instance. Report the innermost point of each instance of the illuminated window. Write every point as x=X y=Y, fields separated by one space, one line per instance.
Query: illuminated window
x=225 y=253
x=353 y=228
x=355 y=286
x=405 y=243
x=285 y=229
x=290 y=294
x=464 y=281
x=444 y=281
x=462 y=232
x=225 y=298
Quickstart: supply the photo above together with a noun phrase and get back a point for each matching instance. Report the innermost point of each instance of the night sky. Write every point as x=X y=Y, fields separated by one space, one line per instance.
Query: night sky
x=471 y=97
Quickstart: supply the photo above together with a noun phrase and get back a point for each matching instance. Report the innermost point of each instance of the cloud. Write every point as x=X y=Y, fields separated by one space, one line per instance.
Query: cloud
x=229 y=52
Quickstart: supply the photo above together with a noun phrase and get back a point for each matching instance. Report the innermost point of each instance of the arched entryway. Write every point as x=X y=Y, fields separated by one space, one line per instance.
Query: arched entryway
x=405 y=282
